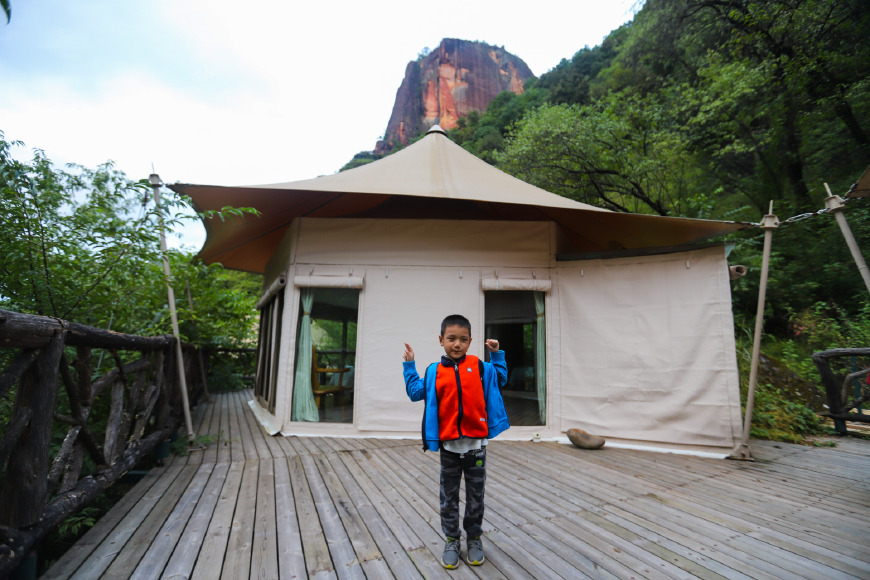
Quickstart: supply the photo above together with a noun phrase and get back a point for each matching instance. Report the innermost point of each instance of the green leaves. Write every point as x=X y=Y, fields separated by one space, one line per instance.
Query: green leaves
x=228 y=211
x=619 y=154
x=83 y=244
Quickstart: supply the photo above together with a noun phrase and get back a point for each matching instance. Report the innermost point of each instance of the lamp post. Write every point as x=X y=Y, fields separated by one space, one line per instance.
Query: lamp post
x=157 y=183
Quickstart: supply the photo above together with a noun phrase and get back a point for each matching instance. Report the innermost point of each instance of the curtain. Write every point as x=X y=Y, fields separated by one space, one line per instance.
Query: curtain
x=540 y=358
x=304 y=408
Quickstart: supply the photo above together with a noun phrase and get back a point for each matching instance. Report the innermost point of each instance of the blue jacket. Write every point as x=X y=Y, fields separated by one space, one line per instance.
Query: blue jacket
x=494 y=376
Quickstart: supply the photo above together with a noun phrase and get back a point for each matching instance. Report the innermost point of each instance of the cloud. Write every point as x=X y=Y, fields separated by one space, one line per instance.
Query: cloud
x=226 y=93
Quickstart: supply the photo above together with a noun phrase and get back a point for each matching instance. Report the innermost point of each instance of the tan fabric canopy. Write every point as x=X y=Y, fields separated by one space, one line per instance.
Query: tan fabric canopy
x=433 y=179
x=862 y=187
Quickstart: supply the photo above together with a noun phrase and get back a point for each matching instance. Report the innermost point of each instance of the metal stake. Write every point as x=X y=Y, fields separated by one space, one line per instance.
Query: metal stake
x=835 y=205
x=769 y=223
x=157 y=183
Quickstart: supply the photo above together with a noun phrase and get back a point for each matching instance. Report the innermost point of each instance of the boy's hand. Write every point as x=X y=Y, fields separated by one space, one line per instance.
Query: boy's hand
x=409 y=353
x=491 y=345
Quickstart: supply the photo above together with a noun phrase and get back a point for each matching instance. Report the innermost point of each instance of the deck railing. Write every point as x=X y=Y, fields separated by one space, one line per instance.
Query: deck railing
x=50 y=386
x=846 y=388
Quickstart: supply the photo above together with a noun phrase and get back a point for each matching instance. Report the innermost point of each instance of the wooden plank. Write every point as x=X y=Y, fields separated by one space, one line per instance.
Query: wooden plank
x=299 y=449
x=806 y=555
x=234 y=433
x=286 y=448
x=167 y=538
x=354 y=525
x=506 y=564
x=539 y=536
x=104 y=554
x=258 y=434
x=552 y=511
x=715 y=538
x=317 y=557
x=726 y=535
x=225 y=452
x=147 y=528
x=422 y=512
x=239 y=411
x=184 y=557
x=651 y=555
x=689 y=547
x=210 y=455
x=723 y=538
x=237 y=560
x=211 y=555
x=403 y=534
x=598 y=550
x=386 y=542
x=67 y=564
x=291 y=560
x=427 y=558
x=264 y=561
x=785 y=514
x=344 y=559
x=543 y=470
x=377 y=569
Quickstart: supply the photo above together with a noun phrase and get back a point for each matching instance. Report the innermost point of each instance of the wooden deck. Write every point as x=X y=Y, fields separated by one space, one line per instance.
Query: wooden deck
x=253 y=506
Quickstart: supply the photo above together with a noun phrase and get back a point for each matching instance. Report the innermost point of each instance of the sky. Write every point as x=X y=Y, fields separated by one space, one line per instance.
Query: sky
x=235 y=93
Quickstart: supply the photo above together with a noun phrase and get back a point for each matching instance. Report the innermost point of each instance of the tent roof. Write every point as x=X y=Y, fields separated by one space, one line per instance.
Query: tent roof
x=861 y=188
x=436 y=179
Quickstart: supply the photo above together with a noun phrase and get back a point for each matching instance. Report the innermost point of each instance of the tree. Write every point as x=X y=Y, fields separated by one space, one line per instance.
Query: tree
x=808 y=62
x=615 y=154
x=484 y=134
x=82 y=244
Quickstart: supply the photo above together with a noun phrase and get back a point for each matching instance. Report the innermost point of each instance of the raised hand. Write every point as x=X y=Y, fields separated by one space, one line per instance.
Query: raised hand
x=409 y=353
x=491 y=345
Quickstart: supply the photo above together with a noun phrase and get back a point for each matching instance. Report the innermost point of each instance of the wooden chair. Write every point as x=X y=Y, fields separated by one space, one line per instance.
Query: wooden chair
x=321 y=390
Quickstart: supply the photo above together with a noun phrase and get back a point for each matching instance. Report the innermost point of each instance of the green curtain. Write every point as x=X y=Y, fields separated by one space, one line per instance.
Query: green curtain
x=541 y=357
x=304 y=408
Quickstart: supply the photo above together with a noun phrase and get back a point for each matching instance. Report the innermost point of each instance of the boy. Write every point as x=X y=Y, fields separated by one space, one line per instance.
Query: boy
x=463 y=410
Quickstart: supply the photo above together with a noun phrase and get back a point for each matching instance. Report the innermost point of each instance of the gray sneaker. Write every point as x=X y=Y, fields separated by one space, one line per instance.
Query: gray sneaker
x=450 y=558
x=474 y=554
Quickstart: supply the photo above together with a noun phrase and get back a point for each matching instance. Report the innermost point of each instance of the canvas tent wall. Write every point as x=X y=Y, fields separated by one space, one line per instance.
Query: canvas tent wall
x=638 y=339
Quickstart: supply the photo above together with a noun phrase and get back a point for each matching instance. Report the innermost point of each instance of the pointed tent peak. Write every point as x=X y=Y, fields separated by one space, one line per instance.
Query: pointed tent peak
x=436 y=129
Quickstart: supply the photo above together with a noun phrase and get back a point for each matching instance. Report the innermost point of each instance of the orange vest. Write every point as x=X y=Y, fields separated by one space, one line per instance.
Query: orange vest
x=461 y=406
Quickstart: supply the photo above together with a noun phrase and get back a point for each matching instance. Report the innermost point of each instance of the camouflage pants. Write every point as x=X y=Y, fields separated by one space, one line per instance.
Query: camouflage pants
x=453 y=466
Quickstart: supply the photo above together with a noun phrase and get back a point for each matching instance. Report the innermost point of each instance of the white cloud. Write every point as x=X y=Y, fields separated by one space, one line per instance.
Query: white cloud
x=227 y=93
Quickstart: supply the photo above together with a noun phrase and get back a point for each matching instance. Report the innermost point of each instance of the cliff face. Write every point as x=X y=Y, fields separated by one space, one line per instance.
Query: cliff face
x=457 y=77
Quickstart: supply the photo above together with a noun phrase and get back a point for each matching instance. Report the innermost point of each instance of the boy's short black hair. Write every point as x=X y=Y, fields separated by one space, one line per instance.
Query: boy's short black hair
x=455 y=320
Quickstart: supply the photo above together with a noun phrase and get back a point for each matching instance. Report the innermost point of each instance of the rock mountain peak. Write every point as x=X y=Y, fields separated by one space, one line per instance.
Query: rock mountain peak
x=457 y=77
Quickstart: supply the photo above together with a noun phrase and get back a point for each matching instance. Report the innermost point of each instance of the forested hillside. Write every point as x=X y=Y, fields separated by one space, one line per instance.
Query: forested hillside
x=713 y=109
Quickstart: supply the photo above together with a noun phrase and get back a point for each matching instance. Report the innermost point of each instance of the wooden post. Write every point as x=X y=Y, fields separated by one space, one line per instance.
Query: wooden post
x=157 y=183
x=25 y=487
x=769 y=223
x=202 y=372
x=835 y=204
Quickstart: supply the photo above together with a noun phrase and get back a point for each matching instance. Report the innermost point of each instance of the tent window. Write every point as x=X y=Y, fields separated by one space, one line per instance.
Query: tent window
x=325 y=355
x=267 y=350
x=516 y=320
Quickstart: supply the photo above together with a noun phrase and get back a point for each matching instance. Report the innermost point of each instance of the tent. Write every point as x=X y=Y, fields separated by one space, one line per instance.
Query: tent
x=619 y=324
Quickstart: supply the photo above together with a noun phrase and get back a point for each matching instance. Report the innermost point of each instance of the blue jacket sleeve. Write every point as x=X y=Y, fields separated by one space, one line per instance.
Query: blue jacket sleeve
x=497 y=360
x=413 y=384
x=496 y=415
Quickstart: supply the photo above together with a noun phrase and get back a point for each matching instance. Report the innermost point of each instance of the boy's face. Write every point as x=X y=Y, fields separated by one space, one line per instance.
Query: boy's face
x=455 y=341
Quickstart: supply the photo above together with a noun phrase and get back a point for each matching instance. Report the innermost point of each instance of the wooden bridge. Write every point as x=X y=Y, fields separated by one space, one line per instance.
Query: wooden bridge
x=254 y=506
